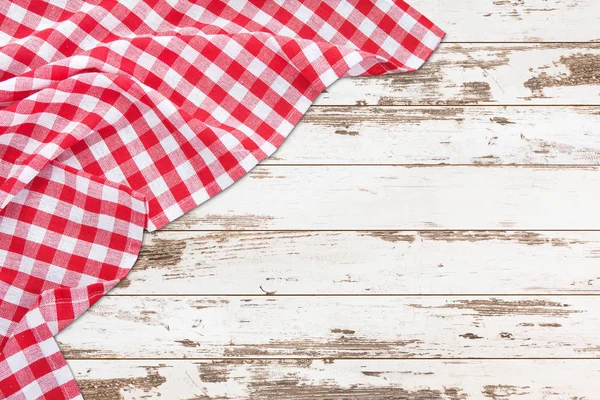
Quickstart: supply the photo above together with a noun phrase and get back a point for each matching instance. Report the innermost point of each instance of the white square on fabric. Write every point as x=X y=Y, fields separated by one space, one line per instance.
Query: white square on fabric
x=280 y=86
x=248 y=162
x=99 y=149
x=303 y=13
x=17 y=362
x=261 y=18
x=196 y=96
x=106 y=222
x=213 y=73
x=110 y=193
x=36 y=234
x=48 y=204
x=76 y=214
x=327 y=31
x=48 y=347
x=15 y=12
x=169 y=144
x=33 y=390
x=185 y=170
x=407 y=22
x=55 y=274
x=312 y=52
x=146 y=61
x=112 y=115
x=232 y=48
x=430 y=40
x=142 y=160
x=207 y=156
x=238 y=92
x=67 y=244
x=224 y=180
x=390 y=45
x=173 y=211
x=384 y=5
x=13 y=295
x=262 y=110
x=189 y=54
x=158 y=186
x=367 y=27
x=413 y=62
x=256 y=67
x=220 y=114
x=172 y=78
x=98 y=252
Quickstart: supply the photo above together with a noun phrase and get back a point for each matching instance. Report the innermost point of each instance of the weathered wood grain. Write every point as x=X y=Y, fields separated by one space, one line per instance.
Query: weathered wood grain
x=444 y=135
x=467 y=74
x=514 y=20
x=338 y=379
x=336 y=327
x=371 y=262
x=404 y=198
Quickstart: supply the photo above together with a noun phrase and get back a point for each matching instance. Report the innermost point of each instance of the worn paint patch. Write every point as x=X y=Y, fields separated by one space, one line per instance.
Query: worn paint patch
x=236 y=222
x=214 y=372
x=470 y=336
x=294 y=388
x=392 y=237
x=475 y=92
x=523 y=237
x=342 y=346
x=160 y=253
x=264 y=173
x=343 y=331
x=188 y=343
x=498 y=392
x=114 y=389
x=346 y=133
x=497 y=307
x=584 y=70
x=348 y=119
x=502 y=121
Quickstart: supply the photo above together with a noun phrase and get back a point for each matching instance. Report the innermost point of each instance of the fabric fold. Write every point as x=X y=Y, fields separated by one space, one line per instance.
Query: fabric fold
x=120 y=116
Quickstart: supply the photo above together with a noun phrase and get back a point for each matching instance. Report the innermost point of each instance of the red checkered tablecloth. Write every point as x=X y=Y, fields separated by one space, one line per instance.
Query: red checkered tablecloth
x=120 y=116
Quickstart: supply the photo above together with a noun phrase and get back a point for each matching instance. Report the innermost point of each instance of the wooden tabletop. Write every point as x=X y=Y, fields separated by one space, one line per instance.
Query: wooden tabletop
x=433 y=235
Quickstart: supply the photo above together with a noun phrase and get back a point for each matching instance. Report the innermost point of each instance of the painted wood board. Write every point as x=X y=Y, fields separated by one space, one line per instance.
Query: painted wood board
x=444 y=135
x=494 y=74
x=514 y=20
x=338 y=379
x=337 y=327
x=404 y=198
x=368 y=262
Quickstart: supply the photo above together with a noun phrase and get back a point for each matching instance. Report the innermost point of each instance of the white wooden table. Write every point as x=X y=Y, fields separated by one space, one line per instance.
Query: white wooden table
x=421 y=236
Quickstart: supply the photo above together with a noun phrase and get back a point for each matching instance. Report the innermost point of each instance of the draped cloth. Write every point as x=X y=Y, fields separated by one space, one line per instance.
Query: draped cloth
x=120 y=116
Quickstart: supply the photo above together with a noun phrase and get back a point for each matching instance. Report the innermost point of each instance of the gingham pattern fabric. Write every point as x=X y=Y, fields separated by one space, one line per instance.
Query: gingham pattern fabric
x=117 y=117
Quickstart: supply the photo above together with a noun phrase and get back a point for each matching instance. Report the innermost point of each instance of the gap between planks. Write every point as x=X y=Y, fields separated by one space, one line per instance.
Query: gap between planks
x=274 y=358
x=494 y=295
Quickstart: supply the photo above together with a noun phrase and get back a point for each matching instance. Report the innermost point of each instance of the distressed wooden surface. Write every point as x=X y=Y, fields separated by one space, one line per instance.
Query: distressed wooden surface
x=367 y=262
x=397 y=197
x=448 y=213
x=337 y=327
x=514 y=20
x=338 y=379
x=444 y=135
x=495 y=74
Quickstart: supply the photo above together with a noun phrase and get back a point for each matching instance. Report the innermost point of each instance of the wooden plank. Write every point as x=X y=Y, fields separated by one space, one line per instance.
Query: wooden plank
x=514 y=20
x=372 y=262
x=444 y=135
x=336 y=327
x=459 y=74
x=404 y=198
x=338 y=379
